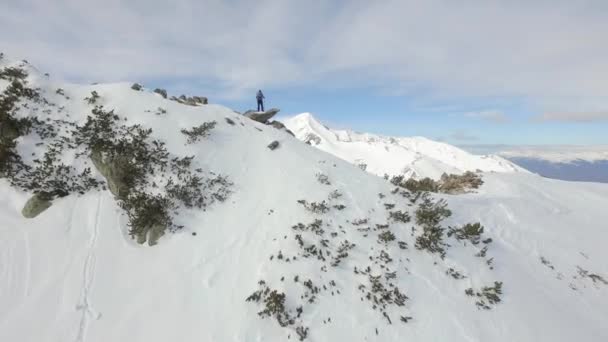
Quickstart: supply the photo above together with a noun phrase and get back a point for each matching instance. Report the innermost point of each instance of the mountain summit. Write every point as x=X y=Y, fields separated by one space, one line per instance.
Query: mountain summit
x=412 y=157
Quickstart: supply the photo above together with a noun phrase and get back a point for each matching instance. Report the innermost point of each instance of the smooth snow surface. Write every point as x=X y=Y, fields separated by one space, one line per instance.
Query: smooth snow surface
x=73 y=274
x=415 y=157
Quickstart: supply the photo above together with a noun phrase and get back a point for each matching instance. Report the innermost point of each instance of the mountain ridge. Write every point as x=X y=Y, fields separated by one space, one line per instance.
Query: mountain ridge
x=412 y=157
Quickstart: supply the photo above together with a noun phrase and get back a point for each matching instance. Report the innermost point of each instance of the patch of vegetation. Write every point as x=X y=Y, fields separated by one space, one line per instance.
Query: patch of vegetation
x=200 y=132
x=13 y=74
x=425 y=184
x=457 y=184
x=323 y=179
x=93 y=98
x=596 y=278
x=449 y=184
x=274 y=306
x=454 y=274
x=314 y=207
x=132 y=162
x=230 y=121
x=314 y=227
x=471 y=232
x=386 y=237
x=487 y=296
x=399 y=216
x=429 y=216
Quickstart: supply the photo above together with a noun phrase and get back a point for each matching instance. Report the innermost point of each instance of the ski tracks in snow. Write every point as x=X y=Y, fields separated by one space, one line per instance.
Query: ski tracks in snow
x=88 y=275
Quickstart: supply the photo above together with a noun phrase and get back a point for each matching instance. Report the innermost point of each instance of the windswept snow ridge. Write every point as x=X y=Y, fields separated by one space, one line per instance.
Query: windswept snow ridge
x=306 y=247
x=415 y=157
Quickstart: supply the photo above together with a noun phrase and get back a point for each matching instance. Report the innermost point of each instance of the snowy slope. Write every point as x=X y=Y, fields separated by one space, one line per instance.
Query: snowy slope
x=73 y=274
x=416 y=157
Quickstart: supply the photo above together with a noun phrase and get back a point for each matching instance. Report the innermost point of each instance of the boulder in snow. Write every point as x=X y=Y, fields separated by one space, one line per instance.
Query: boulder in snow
x=273 y=145
x=35 y=205
x=280 y=126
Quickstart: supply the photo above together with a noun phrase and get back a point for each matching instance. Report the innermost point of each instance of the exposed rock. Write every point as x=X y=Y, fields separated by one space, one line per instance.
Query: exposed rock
x=190 y=101
x=200 y=99
x=161 y=92
x=262 y=117
x=273 y=145
x=280 y=126
x=230 y=121
x=115 y=171
x=36 y=205
x=154 y=233
x=137 y=87
x=312 y=138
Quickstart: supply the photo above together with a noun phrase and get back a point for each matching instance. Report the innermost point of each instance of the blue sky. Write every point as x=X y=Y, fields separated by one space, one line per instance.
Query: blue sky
x=466 y=72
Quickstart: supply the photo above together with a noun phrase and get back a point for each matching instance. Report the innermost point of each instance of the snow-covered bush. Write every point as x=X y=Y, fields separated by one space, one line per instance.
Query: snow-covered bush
x=93 y=98
x=470 y=231
x=487 y=296
x=199 y=132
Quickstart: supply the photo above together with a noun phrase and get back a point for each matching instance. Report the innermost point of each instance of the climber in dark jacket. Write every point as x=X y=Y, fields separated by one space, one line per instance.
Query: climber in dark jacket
x=260 y=97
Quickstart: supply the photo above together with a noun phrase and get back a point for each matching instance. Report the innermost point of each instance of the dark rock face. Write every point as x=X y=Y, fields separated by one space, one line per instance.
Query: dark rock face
x=273 y=145
x=280 y=126
x=191 y=101
x=115 y=171
x=137 y=87
x=262 y=117
x=36 y=205
x=161 y=92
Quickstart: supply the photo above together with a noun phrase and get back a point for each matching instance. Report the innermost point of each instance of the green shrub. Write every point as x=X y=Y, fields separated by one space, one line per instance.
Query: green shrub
x=456 y=184
x=488 y=295
x=429 y=215
x=470 y=231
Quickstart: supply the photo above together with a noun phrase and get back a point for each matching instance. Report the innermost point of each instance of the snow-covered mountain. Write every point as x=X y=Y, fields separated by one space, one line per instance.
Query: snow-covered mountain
x=282 y=244
x=415 y=157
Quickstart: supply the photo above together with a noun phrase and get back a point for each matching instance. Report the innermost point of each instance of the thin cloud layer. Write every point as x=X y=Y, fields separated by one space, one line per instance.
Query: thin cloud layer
x=574 y=117
x=551 y=53
x=488 y=115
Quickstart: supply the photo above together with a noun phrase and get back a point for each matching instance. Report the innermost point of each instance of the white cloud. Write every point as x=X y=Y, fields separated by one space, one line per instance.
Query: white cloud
x=551 y=53
x=574 y=116
x=488 y=115
x=462 y=135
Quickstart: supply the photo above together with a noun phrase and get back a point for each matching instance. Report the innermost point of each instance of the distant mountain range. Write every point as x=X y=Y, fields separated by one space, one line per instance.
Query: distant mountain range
x=409 y=156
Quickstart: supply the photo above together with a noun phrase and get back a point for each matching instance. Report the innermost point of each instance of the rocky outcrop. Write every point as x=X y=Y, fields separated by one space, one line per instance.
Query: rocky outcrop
x=36 y=205
x=191 y=101
x=280 y=126
x=312 y=139
x=115 y=171
x=161 y=92
x=273 y=145
x=261 y=117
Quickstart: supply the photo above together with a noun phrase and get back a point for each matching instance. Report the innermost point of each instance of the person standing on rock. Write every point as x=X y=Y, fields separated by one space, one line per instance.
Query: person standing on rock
x=260 y=97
